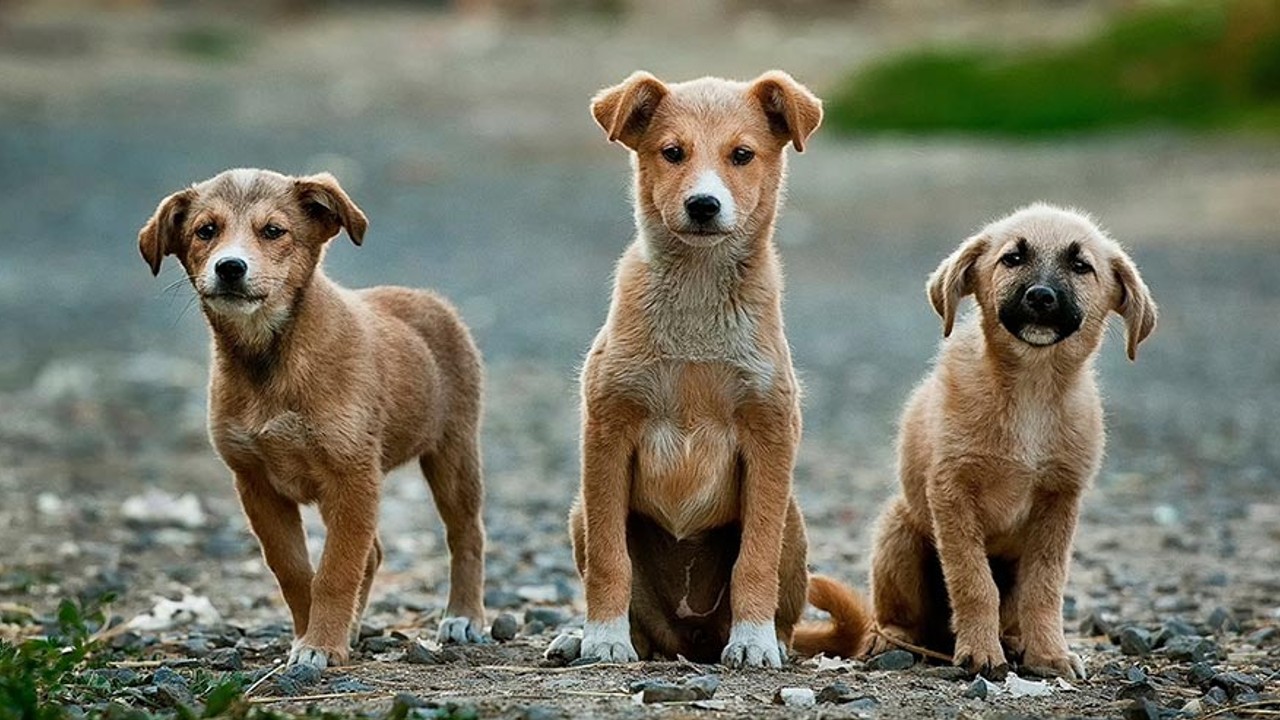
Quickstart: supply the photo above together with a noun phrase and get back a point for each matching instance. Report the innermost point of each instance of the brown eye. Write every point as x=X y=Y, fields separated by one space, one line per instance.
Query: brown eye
x=207 y=231
x=1080 y=267
x=272 y=232
x=1012 y=259
x=673 y=153
x=742 y=155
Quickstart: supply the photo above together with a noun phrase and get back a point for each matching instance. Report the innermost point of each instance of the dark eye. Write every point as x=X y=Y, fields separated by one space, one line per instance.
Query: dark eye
x=673 y=153
x=271 y=232
x=742 y=155
x=1080 y=267
x=1012 y=259
x=207 y=231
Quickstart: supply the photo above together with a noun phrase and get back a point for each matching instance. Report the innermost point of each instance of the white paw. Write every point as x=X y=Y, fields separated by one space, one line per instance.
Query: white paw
x=753 y=645
x=301 y=654
x=566 y=647
x=459 y=631
x=608 y=641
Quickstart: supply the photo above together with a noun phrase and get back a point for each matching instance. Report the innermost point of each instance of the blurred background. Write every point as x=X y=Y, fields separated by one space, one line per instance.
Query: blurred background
x=462 y=130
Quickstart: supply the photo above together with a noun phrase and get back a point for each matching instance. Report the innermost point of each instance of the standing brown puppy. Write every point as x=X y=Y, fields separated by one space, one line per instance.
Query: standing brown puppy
x=998 y=444
x=317 y=391
x=686 y=531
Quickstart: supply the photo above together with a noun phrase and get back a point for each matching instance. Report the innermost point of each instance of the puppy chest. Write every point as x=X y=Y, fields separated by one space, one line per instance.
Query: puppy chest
x=293 y=452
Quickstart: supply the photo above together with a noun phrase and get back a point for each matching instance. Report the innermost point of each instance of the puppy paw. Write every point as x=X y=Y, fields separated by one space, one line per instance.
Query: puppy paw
x=983 y=656
x=565 y=648
x=1062 y=663
x=608 y=641
x=305 y=653
x=753 y=645
x=459 y=631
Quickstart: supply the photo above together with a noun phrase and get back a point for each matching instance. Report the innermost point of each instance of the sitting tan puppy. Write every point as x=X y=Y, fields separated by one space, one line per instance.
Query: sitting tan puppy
x=686 y=531
x=997 y=445
x=317 y=391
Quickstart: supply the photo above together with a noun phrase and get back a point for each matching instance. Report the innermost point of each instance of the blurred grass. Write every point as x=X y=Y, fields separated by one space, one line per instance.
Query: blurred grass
x=1197 y=64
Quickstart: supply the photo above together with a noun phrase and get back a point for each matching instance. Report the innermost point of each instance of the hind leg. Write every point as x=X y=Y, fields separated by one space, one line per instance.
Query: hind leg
x=793 y=576
x=453 y=472
x=899 y=586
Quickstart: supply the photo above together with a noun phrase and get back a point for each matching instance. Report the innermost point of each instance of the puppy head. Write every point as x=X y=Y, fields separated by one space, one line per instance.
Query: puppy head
x=249 y=240
x=1044 y=276
x=709 y=153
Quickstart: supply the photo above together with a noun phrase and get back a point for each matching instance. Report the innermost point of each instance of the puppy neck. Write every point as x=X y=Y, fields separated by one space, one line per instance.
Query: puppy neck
x=258 y=344
x=1057 y=369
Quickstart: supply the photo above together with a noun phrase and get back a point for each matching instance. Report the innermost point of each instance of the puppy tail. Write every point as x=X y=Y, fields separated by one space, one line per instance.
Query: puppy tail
x=848 y=630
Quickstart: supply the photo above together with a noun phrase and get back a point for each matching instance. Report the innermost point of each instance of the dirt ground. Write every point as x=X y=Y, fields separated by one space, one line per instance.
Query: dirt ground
x=468 y=143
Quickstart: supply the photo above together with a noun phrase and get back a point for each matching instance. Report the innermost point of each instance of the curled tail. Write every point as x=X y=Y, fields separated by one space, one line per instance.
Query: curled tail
x=849 y=629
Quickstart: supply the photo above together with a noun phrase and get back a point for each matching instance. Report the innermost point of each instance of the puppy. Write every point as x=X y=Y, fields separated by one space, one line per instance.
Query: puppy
x=996 y=447
x=317 y=391
x=686 y=532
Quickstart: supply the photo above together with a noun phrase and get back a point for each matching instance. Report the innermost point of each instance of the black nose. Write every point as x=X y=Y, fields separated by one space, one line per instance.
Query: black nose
x=1040 y=299
x=702 y=208
x=231 y=269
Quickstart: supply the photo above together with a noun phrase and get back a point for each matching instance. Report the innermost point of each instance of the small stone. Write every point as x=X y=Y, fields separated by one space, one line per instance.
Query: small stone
x=1200 y=673
x=661 y=691
x=1135 y=674
x=1135 y=641
x=565 y=649
x=549 y=617
x=704 y=685
x=419 y=653
x=1142 y=709
x=1264 y=637
x=1216 y=695
x=978 y=689
x=1236 y=683
x=297 y=678
x=892 y=660
x=535 y=628
x=171 y=688
x=1191 y=649
x=836 y=693
x=504 y=627
x=1222 y=621
x=1136 y=691
x=1092 y=625
x=950 y=673
x=225 y=659
x=796 y=697
x=380 y=644
x=347 y=684
x=368 y=630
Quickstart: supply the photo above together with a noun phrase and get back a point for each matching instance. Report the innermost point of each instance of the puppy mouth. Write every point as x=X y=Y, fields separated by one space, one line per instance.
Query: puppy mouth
x=1039 y=335
x=701 y=236
x=233 y=302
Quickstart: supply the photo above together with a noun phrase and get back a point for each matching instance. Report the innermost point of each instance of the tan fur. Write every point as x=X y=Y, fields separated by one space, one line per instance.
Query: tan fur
x=996 y=447
x=691 y=414
x=317 y=391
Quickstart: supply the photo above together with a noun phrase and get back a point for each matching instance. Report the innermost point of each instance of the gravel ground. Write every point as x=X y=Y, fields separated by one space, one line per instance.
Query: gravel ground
x=484 y=178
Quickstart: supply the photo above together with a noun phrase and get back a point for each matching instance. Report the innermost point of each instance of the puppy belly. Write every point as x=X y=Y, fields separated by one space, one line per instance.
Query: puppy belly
x=680 y=587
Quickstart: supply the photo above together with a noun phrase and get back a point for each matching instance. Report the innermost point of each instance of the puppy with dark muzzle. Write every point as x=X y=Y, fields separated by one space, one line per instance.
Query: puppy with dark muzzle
x=317 y=391
x=996 y=447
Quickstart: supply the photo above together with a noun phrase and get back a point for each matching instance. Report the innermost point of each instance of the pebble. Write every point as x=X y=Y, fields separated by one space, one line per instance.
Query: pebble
x=297 y=678
x=348 y=684
x=504 y=627
x=171 y=689
x=1135 y=641
x=690 y=690
x=225 y=659
x=1200 y=673
x=549 y=617
x=836 y=693
x=1135 y=674
x=1192 y=649
x=1236 y=683
x=1136 y=691
x=892 y=660
x=380 y=644
x=420 y=654
x=368 y=630
x=565 y=649
x=1264 y=637
x=1142 y=709
x=950 y=673
x=795 y=697
x=1222 y=621
x=978 y=689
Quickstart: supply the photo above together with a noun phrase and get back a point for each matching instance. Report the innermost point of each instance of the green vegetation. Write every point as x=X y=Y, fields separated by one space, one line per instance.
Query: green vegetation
x=1195 y=64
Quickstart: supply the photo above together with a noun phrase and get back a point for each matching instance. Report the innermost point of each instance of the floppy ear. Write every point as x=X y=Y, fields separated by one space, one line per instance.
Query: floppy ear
x=954 y=279
x=1134 y=304
x=325 y=201
x=162 y=234
x=792 y=110
x=624 y=110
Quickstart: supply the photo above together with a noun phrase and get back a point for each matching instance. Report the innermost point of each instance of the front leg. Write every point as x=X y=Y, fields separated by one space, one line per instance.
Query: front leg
x=769 y=435
x=606 y=500
x=349 y=509
x=1042 y=575
x=962 y=552
x=277 y=523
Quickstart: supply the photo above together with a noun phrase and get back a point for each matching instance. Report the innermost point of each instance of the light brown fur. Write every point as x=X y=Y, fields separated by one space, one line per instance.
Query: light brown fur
x=317 y=391
x=686 y=523
x=996 y=447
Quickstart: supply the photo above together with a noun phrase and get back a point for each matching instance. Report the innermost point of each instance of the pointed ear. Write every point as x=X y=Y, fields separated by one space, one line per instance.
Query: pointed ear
x=327 y=203
x=624 y=110
x=954 y=279
x=793 y=111
x=1133 y=303
x=162 y=235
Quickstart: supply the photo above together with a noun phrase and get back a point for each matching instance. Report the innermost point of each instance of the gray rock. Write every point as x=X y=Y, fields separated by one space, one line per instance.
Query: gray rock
x=836 y=693
x=1222 y=621
x=892 y=660
x=1135 y=674
x=419 y=654
x=380 y=644
x=171 y=689
x=1200 y=673
x=549 y=617
x=1191 y=649
x=1264 y=637
x=1142 y=709
x=978 y=689
x=950 y=673
x=795 y=697
x=1135 y=641
x=348 y=684
x=1236 y=683
x=565 y=649
x=225 y=659
x=1216 y=695
x=706 y=685
x=1136 y=691
x=368 y=630
x=701 y=687
x=296 y=679
x=504 y=627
